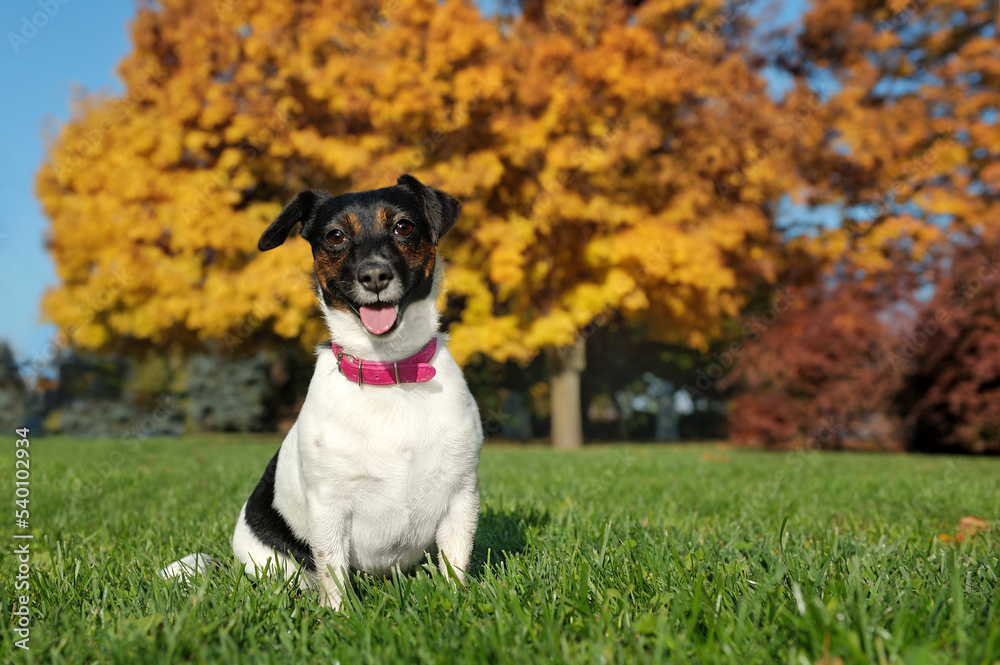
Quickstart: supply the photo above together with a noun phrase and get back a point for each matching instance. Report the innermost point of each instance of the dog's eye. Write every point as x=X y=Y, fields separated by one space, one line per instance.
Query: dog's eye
x=336 y=237
x=404 y=227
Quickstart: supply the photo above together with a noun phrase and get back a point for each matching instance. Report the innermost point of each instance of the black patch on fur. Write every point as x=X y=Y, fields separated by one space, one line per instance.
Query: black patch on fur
x=301 y=209
x=440 y=210
x=268 y=524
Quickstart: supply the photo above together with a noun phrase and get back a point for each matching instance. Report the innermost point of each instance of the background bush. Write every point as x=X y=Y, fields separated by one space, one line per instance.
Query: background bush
x=231 y=394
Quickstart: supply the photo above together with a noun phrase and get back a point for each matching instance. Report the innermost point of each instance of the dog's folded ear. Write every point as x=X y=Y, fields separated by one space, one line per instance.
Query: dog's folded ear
x=440 y=209
x=301 y=209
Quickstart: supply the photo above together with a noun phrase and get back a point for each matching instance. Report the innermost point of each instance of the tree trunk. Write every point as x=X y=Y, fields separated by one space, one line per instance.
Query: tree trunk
x=565 y=365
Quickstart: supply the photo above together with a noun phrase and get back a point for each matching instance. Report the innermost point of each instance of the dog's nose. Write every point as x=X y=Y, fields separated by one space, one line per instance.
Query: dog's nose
x=374 y=275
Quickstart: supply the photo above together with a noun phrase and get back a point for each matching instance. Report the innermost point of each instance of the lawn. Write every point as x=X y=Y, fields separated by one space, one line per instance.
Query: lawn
x=687 y=554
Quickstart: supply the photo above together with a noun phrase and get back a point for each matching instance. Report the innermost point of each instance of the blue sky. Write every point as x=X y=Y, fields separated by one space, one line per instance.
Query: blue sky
x=76 y=48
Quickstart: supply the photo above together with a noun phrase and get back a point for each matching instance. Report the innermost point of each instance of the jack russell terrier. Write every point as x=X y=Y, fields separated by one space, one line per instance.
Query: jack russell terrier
x=381 y=464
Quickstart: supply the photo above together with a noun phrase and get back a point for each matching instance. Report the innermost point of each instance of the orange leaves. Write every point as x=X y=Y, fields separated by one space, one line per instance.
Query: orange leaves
x=913 y=139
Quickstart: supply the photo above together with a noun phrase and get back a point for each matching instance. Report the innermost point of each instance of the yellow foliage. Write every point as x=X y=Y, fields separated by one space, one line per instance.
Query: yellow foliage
x=588 y=157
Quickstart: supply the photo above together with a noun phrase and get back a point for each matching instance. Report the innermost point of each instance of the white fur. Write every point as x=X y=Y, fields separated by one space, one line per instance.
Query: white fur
x=188 y=567
x=372 y=476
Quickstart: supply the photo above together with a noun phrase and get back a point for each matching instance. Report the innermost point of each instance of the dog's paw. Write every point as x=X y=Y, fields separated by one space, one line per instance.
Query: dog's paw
x=454 y=576
x=330 y=590
x=331 y=600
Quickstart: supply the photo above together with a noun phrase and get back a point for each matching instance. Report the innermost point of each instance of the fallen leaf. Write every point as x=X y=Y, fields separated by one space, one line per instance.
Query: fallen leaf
x=971 y=525
x=967 y=526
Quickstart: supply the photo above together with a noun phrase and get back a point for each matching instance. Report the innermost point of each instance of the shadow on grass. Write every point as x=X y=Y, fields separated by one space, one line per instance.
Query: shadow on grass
x=502 y=534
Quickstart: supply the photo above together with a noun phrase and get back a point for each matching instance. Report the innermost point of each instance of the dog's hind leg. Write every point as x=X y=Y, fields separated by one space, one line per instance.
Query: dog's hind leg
x=258 y=559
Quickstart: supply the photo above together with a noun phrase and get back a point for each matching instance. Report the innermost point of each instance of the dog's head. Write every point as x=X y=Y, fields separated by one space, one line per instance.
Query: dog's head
x=373 y=252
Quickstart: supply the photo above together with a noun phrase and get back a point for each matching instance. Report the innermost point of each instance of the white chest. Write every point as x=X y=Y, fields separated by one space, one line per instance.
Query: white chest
x=393 y=457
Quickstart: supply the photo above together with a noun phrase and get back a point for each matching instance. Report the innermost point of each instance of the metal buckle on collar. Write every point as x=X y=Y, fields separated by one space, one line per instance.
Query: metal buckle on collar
x=340 y=364
x=360 y=364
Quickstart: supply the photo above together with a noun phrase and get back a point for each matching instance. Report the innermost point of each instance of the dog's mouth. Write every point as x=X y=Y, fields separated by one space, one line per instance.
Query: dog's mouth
x=379 y=318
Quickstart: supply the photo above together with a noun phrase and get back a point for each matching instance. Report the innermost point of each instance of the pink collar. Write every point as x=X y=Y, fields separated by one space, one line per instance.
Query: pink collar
x=414 y=369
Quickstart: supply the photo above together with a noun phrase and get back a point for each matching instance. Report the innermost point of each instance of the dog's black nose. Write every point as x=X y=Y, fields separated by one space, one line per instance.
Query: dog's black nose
x=374 y=275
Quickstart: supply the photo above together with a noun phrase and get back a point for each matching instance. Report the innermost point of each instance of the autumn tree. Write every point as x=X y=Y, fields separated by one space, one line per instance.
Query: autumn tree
x=612 y=157
x=909 y=151
x=614 y=129
x=157 y=198
x=908 y=161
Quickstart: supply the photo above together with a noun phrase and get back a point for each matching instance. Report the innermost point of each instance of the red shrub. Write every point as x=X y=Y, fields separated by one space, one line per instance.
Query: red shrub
x=819 y=377
x=951 y=400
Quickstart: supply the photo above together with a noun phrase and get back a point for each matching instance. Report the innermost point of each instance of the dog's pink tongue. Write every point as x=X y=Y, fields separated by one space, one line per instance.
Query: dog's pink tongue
x=378 y=318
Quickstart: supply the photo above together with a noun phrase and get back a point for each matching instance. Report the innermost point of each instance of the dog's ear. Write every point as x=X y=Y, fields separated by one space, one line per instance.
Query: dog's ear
x=301 y=209
x=440 y=209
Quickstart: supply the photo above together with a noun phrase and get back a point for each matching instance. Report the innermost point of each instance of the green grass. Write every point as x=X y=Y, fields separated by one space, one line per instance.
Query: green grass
x=611 y=554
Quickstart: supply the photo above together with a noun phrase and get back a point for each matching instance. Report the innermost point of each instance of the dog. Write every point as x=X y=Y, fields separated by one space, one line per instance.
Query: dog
x=381 y=465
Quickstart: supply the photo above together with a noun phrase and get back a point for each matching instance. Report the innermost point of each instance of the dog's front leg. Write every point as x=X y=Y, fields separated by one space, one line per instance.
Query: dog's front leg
x=456 y=533
x=329 y=536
